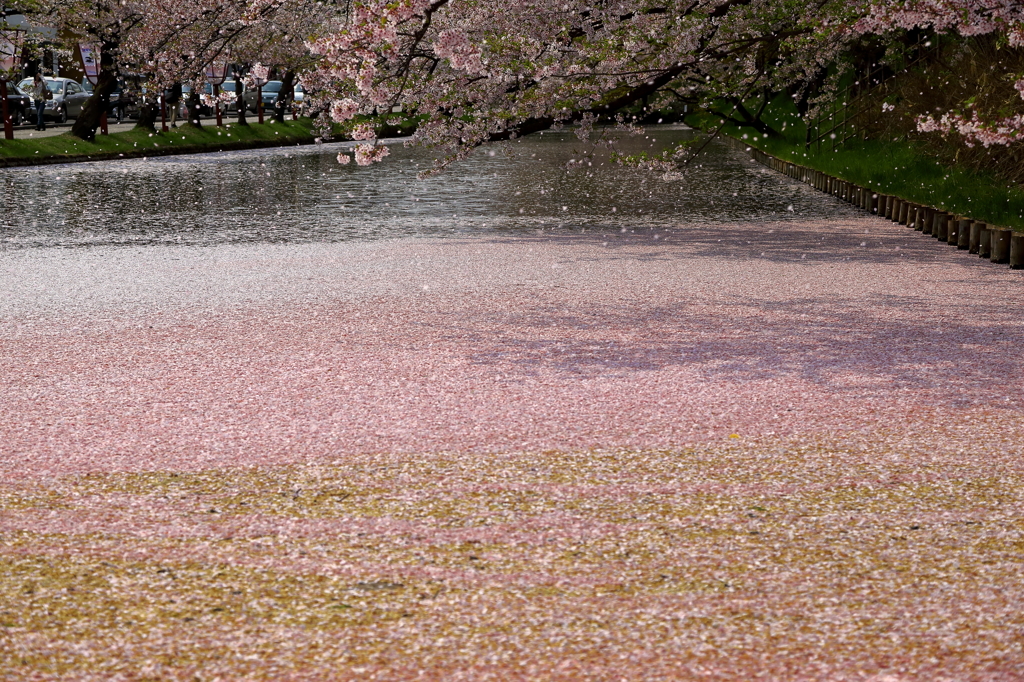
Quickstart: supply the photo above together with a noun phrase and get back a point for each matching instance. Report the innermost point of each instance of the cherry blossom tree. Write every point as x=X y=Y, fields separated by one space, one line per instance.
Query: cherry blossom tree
x=495 y=70
x=165 y=40
x=1003 y=20
x=967 y=17
x=280 y=43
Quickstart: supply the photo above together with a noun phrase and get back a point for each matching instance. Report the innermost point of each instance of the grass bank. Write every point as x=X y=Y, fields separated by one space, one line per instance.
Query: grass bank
x=138 y=142
x=902 y=168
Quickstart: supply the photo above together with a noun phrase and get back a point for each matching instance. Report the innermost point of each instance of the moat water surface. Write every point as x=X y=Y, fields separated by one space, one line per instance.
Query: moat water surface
x=302 y=194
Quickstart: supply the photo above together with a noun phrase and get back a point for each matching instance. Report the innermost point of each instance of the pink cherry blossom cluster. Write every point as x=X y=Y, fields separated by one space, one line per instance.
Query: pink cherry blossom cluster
x=367 y=154
x=258 y=72
x=348 y=55
x=973 y=130
x=343 y=110
x=253 y=11
x=224 y=97
x=968 y=17
x=455 y=46
x=364 y=131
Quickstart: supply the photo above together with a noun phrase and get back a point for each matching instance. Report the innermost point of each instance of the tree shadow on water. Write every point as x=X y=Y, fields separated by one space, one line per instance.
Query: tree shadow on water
x=863 y=239
x=843 y=351
x=890 y=341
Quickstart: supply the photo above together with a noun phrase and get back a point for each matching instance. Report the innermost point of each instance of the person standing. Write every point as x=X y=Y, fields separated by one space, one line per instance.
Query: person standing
x=38 y=91
x=173 y=97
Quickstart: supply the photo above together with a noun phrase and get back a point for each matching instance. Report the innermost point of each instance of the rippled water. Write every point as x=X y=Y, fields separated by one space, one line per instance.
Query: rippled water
x=302 y=194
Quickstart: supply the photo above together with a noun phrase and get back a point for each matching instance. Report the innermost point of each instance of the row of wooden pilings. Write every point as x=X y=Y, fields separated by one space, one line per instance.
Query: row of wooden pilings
x=998 y=244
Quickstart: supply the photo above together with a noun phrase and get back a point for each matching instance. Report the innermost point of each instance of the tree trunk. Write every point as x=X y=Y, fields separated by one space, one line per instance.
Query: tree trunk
x=802 y=99
x=92 y=111
x=148 y=110
x=240 y=101
x=284 y=97
x=148 y=113
x=193 y=105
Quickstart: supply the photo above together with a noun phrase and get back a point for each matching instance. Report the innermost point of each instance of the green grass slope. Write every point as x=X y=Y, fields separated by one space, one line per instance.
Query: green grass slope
x=139 y=142
x=900 y=168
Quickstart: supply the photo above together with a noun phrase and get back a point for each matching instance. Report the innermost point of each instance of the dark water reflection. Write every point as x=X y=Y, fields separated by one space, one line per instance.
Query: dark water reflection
x=302 y=194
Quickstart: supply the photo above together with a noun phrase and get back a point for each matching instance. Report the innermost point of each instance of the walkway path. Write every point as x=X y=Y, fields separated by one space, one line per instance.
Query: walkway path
x=25 y=132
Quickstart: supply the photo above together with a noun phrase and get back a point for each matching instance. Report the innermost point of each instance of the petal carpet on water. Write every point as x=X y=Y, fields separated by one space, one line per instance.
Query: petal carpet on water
x=552 y=458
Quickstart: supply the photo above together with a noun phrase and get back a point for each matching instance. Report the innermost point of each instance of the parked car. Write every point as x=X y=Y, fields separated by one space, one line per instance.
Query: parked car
x=68 y=98
x=19 y=105
x=270 y=93
x=227 y=86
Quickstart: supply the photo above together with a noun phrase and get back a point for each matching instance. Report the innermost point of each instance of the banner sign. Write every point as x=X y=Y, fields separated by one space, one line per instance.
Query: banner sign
x=91 y=62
